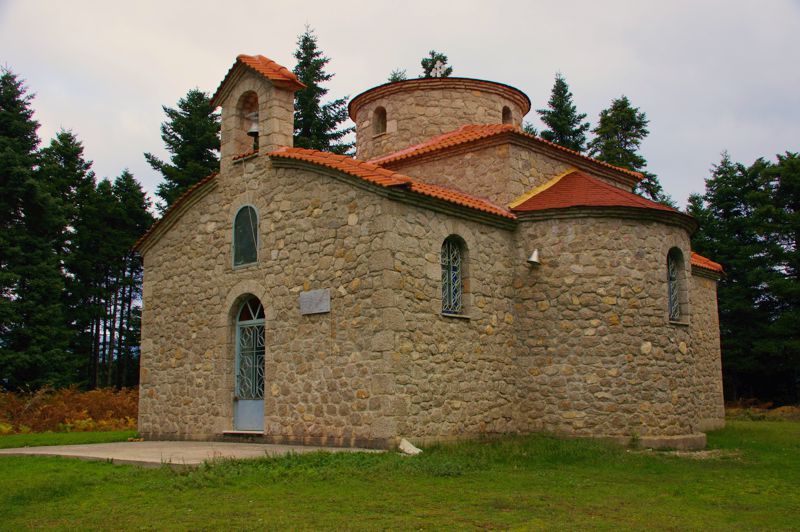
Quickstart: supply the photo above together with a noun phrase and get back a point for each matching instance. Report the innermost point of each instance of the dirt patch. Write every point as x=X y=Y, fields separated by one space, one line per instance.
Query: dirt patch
x=763 y=412
x=710 y=454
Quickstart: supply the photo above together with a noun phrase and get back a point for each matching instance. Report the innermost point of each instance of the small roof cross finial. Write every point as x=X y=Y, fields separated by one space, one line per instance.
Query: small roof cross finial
x=438 y=69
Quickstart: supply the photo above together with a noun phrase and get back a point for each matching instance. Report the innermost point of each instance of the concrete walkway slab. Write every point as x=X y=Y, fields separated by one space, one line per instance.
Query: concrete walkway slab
x=172 y=453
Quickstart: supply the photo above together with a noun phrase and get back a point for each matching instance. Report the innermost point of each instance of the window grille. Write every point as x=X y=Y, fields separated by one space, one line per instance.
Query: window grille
x=245 y=236
x=452 y=277
x=672 y=287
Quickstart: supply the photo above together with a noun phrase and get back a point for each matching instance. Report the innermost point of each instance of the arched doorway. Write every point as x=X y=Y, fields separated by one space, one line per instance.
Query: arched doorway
x=248 y=407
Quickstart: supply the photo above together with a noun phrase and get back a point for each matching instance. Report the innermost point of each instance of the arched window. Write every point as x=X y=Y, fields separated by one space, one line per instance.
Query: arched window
x=245 y=236
x=379 y=121
x=676 y=286
x=507 y=118
x=250 y=351
x=452 y=260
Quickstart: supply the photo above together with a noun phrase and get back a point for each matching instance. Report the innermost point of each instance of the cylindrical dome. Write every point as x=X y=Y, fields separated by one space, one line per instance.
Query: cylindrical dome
x=396 y=115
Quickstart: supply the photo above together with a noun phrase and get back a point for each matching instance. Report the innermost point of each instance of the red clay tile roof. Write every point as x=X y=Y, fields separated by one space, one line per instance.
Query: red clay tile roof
x=271 y=70
x=700 y=261
x=278 y=74
x=245 y=155
x=577 y=189
x=474 y=132
x=461 y=135
x=387 y=178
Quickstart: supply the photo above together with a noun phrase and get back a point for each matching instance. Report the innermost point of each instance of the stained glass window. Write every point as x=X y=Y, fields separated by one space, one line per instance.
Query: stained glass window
x=452 y=276
x=245 y=236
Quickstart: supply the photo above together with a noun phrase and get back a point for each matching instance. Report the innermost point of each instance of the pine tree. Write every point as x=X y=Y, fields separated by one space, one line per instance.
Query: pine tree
x=732 y=232
x=566 y=127
x=66 y=171
x=33 y=335
x=191 y=135
x=781 y=216
x=429 y=63
x=18 y=142
x=86 y=264
x=397 y=75
x=69 y=176
x=135 y=219
x=317 y=124
x=618 y=137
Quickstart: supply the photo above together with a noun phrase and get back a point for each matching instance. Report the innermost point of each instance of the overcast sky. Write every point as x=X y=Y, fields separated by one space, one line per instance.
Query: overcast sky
x=711 y=75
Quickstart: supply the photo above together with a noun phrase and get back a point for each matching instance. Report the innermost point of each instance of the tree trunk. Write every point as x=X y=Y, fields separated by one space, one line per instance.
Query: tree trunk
x=104 y=339
x=95 y=344
x=112 y=334
x=123 y=325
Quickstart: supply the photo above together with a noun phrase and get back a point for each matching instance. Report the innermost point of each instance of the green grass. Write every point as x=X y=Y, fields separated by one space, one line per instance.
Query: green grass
x=535 y=482
x=63 y=438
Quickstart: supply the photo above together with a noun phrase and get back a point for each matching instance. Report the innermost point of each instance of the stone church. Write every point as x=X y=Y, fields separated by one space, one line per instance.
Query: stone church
x=457 y=278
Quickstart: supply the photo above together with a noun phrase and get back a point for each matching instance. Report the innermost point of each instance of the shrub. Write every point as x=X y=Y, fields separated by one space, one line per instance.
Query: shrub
x=68 y=410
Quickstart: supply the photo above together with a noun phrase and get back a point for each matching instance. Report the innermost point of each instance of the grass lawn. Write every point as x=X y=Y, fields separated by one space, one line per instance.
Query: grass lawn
x=63 y=438
x=515 y=483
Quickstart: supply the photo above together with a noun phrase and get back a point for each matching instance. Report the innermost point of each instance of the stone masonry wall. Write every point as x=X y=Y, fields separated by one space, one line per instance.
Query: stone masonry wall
x=598 y=355
x=326 y=374
x=415 y=116
x=453 y=376
x=579 y=345
x=499 y=173
x=705 y=340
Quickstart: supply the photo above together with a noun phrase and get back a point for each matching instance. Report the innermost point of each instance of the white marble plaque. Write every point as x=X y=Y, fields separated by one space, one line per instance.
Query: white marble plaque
x=315 y=301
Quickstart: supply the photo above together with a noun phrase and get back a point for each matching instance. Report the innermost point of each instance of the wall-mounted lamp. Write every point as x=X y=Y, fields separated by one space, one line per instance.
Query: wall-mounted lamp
x=534 y=258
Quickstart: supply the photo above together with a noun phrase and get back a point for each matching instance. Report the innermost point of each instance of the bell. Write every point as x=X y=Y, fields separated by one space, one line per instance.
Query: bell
x=253 y=131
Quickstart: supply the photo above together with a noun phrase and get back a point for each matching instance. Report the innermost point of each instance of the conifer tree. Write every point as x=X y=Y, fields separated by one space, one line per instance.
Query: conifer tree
x=66 y=171
x=191 y=135
x=69 y=176
x=397 y=75
x=317 y=125
x=781 y=216
x=134 y=219
x=18 y=142
x=33 y=335
x=618 y=136
x=566 y=127
x=735 y=230
x=429 y=63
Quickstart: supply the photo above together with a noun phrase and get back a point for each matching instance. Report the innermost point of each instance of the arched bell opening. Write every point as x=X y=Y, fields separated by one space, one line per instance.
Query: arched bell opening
x=248 y=125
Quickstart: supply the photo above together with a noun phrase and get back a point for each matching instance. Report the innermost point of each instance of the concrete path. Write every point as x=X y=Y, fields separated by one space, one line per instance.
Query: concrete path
x=173 y=453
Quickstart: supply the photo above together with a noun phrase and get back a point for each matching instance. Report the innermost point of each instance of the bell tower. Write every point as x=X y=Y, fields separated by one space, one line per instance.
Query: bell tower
x=257 y=100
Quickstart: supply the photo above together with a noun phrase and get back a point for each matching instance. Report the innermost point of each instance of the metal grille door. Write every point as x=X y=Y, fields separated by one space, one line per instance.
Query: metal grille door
x=250 y=372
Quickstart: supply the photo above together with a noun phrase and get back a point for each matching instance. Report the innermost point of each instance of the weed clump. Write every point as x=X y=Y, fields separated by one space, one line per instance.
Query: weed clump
x=68 y=410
